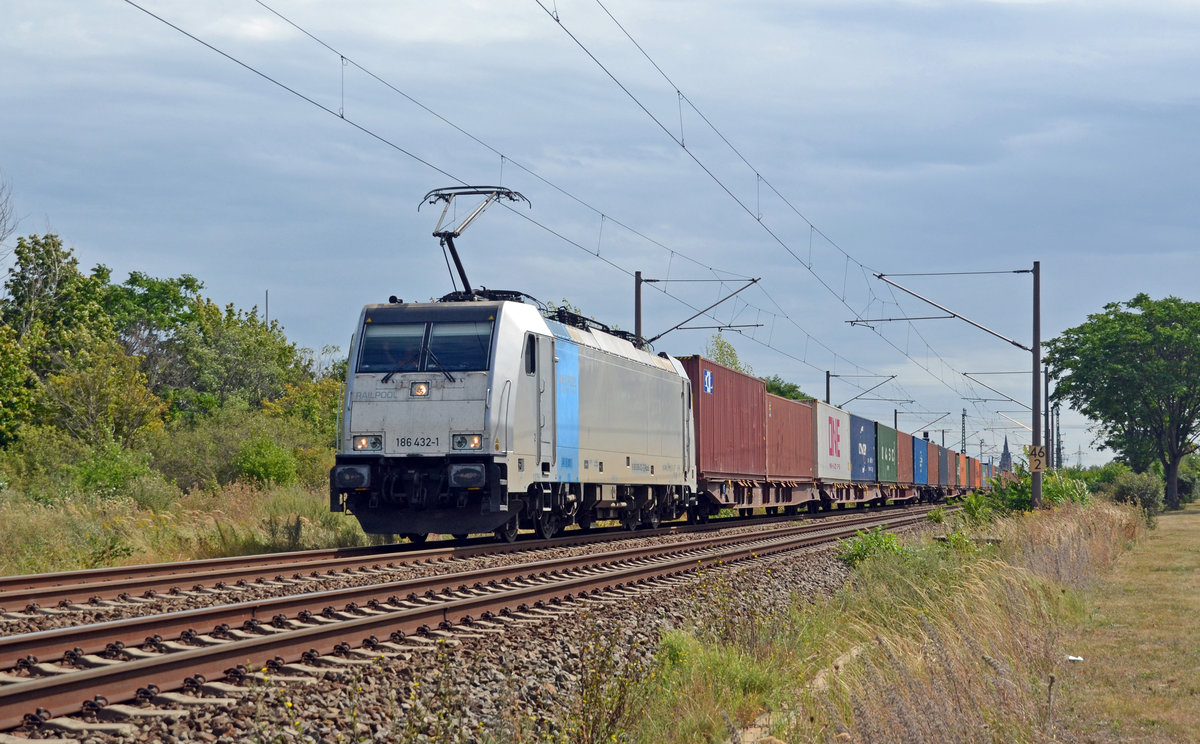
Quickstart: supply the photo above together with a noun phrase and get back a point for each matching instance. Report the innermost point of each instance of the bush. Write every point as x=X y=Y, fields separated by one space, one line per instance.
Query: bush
x=109 y=469
x=867 y=544
x=264 y=461
x=40 y=463
x=1140 y=489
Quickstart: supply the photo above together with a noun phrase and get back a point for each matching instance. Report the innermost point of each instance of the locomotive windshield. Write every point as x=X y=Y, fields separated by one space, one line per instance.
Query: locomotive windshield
x=419 y=347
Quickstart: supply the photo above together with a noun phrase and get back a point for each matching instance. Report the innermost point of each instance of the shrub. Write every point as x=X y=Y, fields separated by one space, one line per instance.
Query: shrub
x=1140 y=489
x=264 y=461
x=108 y=469
x=867 y=544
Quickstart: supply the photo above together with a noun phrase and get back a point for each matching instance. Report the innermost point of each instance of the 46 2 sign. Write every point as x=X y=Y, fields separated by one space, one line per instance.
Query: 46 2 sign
x=1037 y=458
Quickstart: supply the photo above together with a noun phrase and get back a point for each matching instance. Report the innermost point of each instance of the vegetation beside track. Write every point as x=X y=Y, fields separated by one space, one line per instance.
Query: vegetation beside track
x=951 y=639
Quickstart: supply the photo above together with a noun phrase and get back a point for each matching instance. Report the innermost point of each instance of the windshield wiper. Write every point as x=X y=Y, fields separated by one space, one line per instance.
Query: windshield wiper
x=437 y=362
x=389 y=375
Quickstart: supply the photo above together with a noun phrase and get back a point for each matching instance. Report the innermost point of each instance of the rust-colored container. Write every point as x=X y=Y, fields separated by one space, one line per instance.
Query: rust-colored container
x=935 y=465
x=730 y=410
x=790 y=447
x=964 y=477
x=904 y=458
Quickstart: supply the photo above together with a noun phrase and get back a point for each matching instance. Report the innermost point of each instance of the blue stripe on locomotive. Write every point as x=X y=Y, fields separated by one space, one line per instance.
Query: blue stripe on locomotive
x=920 y=449
x=862 y=449
x=566 y=402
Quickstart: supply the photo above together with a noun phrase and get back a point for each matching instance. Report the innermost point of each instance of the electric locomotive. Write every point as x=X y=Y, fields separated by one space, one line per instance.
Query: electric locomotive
x=465 y=417
x=480 y=413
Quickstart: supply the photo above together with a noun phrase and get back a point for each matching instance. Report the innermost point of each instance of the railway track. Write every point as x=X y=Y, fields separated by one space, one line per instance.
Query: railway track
x=59 y=672
x=75 y=589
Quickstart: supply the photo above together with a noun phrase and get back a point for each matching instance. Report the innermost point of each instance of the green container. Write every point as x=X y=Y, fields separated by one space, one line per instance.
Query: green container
x=885 y=453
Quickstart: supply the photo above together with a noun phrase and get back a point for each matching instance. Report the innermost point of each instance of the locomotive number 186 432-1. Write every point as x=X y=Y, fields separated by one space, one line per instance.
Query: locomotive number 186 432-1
x=417 y=441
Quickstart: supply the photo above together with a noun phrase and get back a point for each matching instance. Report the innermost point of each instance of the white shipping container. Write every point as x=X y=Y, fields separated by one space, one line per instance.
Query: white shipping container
x=832 y=435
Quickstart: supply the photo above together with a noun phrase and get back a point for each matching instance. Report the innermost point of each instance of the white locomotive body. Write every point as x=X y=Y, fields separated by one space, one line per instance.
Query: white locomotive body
x=481 y=416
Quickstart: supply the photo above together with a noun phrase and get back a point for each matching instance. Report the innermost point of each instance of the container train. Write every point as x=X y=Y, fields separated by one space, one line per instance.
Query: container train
x=482 y=413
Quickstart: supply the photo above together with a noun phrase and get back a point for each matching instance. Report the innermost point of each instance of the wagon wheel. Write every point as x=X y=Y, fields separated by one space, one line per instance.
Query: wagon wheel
x=629 y=519
x=508 y=531
x=547 y=526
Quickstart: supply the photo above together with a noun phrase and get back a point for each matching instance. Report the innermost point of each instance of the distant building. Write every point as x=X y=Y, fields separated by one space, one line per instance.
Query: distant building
x=1006 y=458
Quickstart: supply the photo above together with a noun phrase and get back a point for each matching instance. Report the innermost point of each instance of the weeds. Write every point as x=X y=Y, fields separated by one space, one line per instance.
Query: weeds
x=867 y=544
x=946 y=641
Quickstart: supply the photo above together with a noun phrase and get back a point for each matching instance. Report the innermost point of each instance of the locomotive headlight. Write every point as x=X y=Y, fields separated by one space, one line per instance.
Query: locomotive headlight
x=369 y=443
x=419 y=389
x=468 y=441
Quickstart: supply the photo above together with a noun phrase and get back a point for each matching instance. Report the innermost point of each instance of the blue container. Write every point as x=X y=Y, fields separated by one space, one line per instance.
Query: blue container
x=944 y=466
x=862 y=449
x=920 y=449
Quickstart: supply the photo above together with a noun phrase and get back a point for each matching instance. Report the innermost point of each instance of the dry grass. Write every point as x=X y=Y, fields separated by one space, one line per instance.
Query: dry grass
x=1139 y=680
x=942 y=642
x=87 y=531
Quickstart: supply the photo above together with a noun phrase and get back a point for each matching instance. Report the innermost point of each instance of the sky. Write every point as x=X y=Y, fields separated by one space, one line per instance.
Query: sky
x=279 y=151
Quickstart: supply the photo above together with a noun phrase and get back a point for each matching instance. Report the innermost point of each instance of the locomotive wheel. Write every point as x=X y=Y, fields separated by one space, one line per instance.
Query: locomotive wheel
x=508 y=532
x=460 y=536
x=585 y=521
x=417 y=538
x=548 y=525
x=651 y=519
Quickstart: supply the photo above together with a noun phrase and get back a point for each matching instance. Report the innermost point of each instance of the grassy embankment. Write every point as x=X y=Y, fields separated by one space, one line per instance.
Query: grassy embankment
x=962 y=640
x=87 y=531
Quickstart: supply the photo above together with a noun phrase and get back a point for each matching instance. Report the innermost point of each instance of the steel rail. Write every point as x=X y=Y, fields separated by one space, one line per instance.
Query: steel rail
x=63 y=693
x=98 y=637
x=112 y=582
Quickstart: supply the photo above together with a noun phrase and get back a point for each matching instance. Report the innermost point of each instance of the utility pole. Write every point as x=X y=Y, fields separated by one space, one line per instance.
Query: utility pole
x=1036 y=478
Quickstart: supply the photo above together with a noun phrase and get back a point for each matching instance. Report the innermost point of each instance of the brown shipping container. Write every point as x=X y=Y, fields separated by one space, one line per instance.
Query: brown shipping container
x=904 y=468
x=933 y=464
x=789 y=439
x=730 y=410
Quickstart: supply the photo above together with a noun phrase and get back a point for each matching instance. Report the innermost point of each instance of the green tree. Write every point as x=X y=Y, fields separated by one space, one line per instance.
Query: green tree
x=722 y=352
x=149 y=316
x=776 y=385
x=48 y=299
x=15 y=386
x=235 y=354
x=1134 y=369
x=100 y=395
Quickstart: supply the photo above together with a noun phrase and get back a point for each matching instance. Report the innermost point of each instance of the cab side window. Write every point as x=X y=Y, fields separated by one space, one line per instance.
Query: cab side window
x=530 y=354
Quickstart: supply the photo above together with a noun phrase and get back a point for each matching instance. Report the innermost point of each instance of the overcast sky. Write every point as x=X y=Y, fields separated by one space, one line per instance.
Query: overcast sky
x=809 y=143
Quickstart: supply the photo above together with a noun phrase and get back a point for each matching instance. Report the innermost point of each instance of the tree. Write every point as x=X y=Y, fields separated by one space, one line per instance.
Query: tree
x=776 y=385
x=8 y=219
x=49 y=300
x=233 y=353
x=722 y=352
x=100 y=396
x=1134 y=369
x=15 y=383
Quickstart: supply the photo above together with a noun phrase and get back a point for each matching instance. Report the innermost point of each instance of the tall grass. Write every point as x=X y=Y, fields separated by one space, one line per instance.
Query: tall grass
x=86 y=530
x=946 y=641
